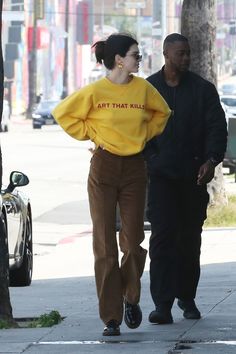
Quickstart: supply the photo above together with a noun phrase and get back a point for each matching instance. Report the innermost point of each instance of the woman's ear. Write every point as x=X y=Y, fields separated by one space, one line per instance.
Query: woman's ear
x=119 y=61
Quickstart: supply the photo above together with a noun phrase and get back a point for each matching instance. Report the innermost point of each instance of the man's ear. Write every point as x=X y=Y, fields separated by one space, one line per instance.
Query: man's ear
x=165 y=54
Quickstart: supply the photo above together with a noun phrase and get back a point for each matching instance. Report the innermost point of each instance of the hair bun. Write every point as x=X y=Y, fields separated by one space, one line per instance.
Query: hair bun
x=99 y=50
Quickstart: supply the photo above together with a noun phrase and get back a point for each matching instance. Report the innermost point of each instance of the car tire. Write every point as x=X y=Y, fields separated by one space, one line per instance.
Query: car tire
x=4 y=241
x=231 y=170
x=37 y=126
x=22 y=276
x=3 y=128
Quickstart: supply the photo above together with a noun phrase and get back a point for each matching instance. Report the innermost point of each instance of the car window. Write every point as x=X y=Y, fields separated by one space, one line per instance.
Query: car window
x=231 y=102
x=47 y=105
x=228 y=88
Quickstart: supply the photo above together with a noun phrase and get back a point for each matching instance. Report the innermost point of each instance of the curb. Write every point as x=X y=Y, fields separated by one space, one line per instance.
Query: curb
x=20 y=120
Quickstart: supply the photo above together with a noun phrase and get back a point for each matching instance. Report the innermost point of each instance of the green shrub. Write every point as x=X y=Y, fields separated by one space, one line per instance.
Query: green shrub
x=47 y=320
x=8 y=323
x=4 y=324
x=222 y=216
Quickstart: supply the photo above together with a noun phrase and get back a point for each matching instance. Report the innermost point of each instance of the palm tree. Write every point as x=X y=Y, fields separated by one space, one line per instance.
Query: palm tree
x=198 y=24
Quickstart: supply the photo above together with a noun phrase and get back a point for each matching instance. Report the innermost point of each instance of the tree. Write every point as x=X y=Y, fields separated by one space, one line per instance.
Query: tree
x=198 y=24
x=5 y=304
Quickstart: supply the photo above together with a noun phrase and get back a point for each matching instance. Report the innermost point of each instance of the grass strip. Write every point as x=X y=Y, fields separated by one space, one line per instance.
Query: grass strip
x=222 y=216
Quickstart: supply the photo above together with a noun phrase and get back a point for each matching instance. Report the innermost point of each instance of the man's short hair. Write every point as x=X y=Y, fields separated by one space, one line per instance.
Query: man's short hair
x=174 y=37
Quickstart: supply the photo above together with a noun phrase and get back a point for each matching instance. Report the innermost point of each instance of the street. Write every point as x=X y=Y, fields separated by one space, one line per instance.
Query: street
x=56 y=164
x=53 y=48
x=57 y=167
x=63 y=280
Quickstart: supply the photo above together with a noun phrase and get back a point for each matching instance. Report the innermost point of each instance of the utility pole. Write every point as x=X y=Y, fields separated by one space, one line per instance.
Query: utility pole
x=138 y=6
x=158 y=32
x=102 y=17
x=65 y=70
x=33 y=64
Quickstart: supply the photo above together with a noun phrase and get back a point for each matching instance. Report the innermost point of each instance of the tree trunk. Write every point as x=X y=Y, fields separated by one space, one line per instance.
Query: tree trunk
x=198 y=24
x=5 y=304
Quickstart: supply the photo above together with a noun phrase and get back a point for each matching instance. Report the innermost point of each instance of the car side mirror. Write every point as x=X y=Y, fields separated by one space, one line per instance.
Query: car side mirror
x=17 y=179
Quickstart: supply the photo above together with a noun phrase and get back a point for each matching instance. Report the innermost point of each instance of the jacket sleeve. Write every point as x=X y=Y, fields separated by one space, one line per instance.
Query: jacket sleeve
x=160 y=112
x=72 y=113
x=216 y=126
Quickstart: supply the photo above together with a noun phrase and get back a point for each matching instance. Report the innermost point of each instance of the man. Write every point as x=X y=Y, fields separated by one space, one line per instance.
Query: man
x=180 y=163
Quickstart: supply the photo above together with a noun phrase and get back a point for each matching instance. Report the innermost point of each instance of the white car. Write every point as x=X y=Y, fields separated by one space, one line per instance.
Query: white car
x=227 y=116
x=233 y=67
x=229 y=105
x=228 y=88
x=229 y=102
x=4 y=127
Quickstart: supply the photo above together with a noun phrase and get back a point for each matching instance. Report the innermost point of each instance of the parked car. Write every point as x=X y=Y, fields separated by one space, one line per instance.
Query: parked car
x=230 y=104
x=233 y=66
x=227 y=116
x=4 y=127
x=17 y=226
x=230 y=165
x=230 y=155
x=42 y=114
x=228 y=88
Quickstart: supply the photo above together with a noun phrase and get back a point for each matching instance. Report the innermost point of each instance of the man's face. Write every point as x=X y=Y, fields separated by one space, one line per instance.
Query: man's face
x=177 y=56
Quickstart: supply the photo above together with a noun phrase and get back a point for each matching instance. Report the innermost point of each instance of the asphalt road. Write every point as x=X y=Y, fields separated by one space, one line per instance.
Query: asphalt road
x=63 y=264
x=57 y=167
x=56 y=164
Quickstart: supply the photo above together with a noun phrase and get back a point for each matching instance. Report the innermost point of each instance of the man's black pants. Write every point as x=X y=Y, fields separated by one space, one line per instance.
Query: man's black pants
x=176 y=211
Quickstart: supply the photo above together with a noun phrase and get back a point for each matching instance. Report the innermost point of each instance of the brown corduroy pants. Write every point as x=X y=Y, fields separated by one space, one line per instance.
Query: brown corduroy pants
x=117 y=180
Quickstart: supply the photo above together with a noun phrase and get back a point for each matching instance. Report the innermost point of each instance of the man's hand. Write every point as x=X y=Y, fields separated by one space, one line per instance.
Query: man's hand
x=206 y=173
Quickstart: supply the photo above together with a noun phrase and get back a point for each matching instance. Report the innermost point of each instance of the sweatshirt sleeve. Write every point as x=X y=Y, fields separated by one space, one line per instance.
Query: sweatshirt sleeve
x=71 y=114
x=160 y=112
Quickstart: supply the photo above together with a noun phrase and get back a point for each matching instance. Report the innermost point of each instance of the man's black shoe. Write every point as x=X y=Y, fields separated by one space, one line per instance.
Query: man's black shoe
x=190 y=309
x=133 y=315
x=112 y=329
x=162 y=315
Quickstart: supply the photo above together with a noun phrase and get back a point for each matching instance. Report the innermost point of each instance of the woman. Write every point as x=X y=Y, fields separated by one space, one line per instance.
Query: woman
x=119 y=113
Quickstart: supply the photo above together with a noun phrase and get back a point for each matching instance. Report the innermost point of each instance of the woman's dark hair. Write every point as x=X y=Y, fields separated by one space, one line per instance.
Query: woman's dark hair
x=117 y=43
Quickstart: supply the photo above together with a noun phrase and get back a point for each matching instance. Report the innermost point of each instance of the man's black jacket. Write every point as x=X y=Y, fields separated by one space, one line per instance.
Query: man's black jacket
x=195 y=132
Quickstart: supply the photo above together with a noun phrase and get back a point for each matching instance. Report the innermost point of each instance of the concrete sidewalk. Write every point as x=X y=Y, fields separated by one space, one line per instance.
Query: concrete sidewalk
x=74 y=296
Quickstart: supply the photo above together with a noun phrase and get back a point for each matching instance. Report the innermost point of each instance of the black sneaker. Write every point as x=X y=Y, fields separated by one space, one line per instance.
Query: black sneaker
x=161 y=315
x=112 y=329
x=133 y=315
x=190 y=309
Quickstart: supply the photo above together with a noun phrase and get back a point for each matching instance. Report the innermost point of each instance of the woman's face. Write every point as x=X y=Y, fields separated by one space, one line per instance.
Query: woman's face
x=132 y=59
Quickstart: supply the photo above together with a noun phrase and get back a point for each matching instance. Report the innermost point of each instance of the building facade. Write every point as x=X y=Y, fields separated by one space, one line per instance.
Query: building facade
x=47 y=43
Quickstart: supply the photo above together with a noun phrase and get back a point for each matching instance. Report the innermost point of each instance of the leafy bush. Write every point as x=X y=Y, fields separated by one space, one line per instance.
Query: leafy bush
x=47 y=320
x=4 y=324
x=222 y=216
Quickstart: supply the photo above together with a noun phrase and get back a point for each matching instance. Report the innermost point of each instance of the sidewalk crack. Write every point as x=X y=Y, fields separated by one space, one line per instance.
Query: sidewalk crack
x=229 y=293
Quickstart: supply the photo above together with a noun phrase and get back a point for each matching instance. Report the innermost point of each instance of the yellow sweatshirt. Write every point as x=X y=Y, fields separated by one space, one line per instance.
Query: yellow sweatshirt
x=119 y=118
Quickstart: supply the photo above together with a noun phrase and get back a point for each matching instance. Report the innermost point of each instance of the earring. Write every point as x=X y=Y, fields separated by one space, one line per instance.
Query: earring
x=120 y=66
